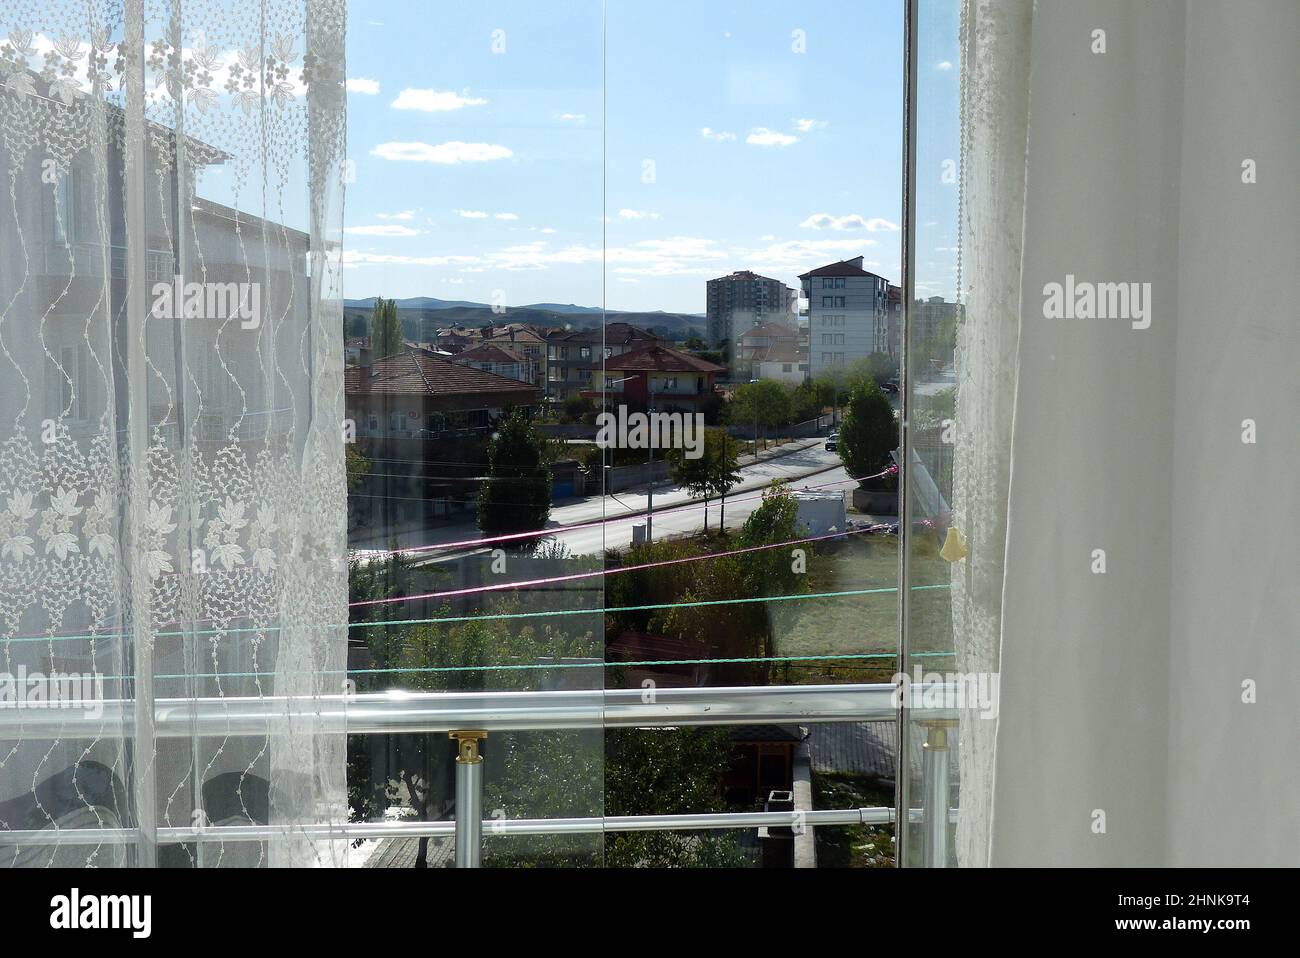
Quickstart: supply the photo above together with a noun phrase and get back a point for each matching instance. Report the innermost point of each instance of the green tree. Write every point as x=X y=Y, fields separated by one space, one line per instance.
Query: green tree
x=386 y=337
x=877 y=368
x=516 y=494
x=869 y=432
x=715 y=471
x=358 y=467
x=832 y=385
x=765 y=403
x=667 y=772
x=769 y=571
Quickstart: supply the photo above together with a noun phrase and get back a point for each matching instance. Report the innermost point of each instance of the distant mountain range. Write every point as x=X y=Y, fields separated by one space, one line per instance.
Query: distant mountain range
x=420 y=315
x=429 y=302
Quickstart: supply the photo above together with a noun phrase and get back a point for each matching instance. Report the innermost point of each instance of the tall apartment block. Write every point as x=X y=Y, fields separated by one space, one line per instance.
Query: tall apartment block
x=848 y=314
x=743 y=300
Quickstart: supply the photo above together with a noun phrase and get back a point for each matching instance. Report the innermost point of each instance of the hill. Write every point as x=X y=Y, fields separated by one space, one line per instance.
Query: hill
x=422 y=315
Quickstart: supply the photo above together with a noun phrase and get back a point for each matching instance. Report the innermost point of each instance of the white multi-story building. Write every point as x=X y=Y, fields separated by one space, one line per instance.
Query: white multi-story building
x=848 y=314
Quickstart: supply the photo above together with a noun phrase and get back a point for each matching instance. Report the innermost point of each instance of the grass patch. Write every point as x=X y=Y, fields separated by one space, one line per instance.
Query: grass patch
x=862 y=624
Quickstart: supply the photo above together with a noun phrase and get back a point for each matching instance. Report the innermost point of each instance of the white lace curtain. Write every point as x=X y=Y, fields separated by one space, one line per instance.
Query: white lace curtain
x=1128 y=491
x=171 y=463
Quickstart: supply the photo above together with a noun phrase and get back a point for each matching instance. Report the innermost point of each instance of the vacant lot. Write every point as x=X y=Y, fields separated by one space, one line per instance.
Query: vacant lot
x=862 y=624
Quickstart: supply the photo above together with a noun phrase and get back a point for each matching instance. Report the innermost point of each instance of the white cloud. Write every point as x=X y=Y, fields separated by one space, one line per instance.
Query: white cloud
x=471 y=214
x=362 y=85
x=717 y=135
x=353 y=257
x=547 y=229
x=797 y=256
x=674 y=256
x=385 y=229
x=851 y=221
x=762 y=136
x=403 y=215
x=506 y=216
x=433 y=101
x=573 y=117
x=944 y=65
x=807 y=126
x=637 y=215
x=453 y=151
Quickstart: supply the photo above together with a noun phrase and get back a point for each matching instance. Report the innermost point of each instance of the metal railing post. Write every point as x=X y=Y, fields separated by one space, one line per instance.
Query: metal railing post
x=469 y=797
x=934 y=790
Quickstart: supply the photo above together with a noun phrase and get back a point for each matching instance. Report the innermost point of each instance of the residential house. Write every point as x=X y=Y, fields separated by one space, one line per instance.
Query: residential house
x=674 y=380
x=574 y=358
x=492 y=358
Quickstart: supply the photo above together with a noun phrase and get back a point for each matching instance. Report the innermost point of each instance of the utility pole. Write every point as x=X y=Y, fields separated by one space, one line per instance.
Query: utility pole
x=650 y=485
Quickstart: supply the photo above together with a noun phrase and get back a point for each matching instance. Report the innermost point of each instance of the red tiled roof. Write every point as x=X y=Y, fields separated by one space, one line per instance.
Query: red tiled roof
x=613 y=334
x=781 y=353
x=517 y=333
x=418 y=372
x=488 y=353
x=771 y=329
x=661 y=359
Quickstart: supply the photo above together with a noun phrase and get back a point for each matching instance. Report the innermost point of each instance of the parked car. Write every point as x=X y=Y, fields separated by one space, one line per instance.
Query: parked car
x=832 y=441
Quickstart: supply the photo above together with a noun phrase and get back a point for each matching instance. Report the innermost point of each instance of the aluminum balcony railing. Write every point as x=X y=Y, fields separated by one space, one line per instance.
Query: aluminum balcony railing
x=470 y=717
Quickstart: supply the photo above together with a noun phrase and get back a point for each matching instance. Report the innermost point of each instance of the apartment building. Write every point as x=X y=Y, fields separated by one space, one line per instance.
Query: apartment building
x=742 y=300
x=848 y=314
x=572 y=358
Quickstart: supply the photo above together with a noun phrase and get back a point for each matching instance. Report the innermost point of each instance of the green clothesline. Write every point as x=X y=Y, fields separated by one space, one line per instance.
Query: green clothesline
x=497 y=616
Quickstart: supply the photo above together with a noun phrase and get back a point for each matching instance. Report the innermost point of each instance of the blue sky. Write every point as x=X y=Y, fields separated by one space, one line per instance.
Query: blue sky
x=477 y=132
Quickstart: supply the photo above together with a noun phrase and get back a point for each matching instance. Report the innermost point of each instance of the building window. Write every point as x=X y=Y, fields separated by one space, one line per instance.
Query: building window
x=828 y=301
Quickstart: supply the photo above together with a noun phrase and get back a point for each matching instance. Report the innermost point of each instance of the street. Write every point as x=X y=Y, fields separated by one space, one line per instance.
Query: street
x=595 y=524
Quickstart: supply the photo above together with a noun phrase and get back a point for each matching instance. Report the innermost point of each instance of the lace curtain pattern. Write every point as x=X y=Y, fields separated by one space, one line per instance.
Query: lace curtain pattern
x=171 y=452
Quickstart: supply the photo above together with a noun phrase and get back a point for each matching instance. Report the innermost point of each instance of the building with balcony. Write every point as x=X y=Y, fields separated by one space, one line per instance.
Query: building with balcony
x=848 y=314
x=527 y=343
x=573 y=358
x=667 y=378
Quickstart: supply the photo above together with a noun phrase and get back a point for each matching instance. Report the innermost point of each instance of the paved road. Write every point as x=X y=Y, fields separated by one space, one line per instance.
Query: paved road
x=606 y=522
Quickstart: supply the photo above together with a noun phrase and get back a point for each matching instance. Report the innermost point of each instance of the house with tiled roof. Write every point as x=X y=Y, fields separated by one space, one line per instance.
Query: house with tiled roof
x=782 y=362
x=492 y=358
x=527 y=343
x=418 y=393
x=574 y=357
x=676 y=380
